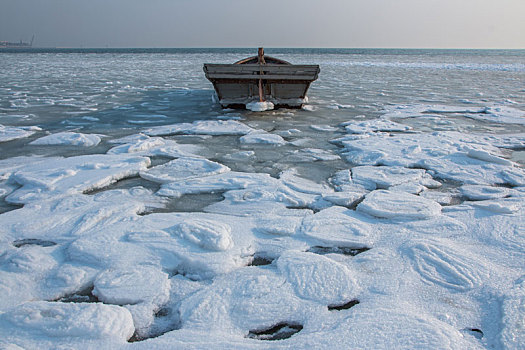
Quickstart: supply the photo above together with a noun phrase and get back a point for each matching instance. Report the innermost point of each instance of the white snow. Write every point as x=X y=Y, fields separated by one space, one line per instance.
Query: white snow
x=57 y=177
x=215 y=183
x=338 y=225
x=141 y=144
x=259 y=106
x=202 y=127
x=443 y=265
x=401 y=232
x=495 y=113
x=448 y=155
x=326 y=128
x=309 y=274
x=398 y=205
x=501 y=206
x=376 y=125
x=69 y=139
x=384 y=177
x=262 y=138
x=311 y=155
x=345 y=198
x=480 y=192
x=513 y=317
x=183 y=169
x=119 y=287
x=67 y=321
x=9 y=133
x=212 y=235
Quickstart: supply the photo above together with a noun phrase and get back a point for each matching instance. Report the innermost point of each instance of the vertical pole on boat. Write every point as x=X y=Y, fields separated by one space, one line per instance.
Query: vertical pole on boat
x=260 y=60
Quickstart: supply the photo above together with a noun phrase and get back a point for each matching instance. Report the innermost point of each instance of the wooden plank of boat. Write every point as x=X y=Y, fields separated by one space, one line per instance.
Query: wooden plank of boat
x=261 y=78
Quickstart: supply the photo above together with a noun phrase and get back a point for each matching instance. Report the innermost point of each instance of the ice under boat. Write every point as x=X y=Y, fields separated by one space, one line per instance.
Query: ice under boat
x=261 y=78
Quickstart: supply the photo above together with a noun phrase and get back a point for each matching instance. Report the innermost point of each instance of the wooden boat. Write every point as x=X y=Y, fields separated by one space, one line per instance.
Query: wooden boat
x=261 y=78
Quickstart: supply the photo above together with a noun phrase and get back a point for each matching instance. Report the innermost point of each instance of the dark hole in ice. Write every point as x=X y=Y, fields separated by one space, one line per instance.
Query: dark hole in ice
x=159 y=160
x=354 y=205
x=504 y=185
x=166 y=320
x=186 y=274
x=352 y=251
x=33 y=241
x=127 y=183
x=83 y=296
x=475 y=332
x=415 y=166
x=260 y=260
x=344 y=306
x=280 y=331
x=315 y=210
x=190 y=203
x=5 y=207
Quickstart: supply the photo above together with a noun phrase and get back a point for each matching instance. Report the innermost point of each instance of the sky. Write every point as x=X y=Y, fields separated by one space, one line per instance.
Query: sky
x=269 y=23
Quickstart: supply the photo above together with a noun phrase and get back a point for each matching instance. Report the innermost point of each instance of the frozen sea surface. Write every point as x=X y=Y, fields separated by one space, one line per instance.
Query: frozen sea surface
x=385 y=214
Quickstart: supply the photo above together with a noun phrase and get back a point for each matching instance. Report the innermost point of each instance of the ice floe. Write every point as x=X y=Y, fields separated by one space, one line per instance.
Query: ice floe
x=9 y=133
x=513 y=334
x=262 y=138
x=202 y=127
x=215 y=183
x=206 y=234
x=494 y=113
x=46 y=322
x=326 y=128
x=384 y=177
x=398 y=205
x=141 y=144
x=260 y=106
x=309 y=274
x=311 y=155
x=183 y=169
x=375 y=125
x=119 y=287
x=480 y=192
x=69 y=139
x=63 y=176
x=501 y=206
x=446 y=155
x=442 y=265
x=393 y=236
x=338 y=225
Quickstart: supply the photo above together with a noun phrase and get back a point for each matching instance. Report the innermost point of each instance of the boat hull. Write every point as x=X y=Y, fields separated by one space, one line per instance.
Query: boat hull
x=285 y=85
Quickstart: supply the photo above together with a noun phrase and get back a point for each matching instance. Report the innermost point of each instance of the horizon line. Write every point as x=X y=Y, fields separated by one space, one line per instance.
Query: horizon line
x=246 y=47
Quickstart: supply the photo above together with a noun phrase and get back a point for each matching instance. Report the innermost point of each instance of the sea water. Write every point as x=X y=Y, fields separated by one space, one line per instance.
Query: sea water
x=157 y=199
x=121 y=92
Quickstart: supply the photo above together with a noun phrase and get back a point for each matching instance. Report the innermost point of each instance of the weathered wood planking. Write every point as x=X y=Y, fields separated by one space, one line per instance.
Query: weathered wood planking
x=258 y=78
x=305 y=72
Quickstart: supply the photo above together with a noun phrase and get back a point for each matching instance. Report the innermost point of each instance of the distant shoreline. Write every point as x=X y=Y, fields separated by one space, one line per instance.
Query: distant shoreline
x=356 y=51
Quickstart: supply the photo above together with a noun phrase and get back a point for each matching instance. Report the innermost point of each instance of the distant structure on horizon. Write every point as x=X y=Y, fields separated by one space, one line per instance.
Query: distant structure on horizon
x=20 y=44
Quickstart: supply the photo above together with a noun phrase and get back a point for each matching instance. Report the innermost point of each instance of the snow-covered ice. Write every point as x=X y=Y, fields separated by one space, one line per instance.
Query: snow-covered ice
x=57 y=177
x=447 y=155
x=259 y=106
x=183 y=169
x=9 y=133
x=262 y=138
x=387 y=214
x=202 y=127
x=398 y=205
x=141 y=144
x=69 y=139
x=370 y=126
